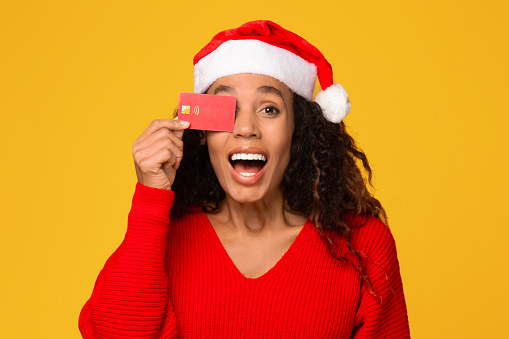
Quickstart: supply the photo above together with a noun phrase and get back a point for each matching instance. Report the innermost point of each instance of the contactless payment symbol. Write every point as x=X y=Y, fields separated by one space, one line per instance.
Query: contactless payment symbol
x=186 y=109
x=196 y=110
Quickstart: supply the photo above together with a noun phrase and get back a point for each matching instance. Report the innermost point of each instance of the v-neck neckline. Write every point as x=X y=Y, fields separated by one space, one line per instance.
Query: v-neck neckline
x=279 y=266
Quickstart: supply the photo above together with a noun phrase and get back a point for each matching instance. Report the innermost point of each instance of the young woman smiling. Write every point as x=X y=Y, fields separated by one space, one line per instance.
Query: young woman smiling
x=268 y=231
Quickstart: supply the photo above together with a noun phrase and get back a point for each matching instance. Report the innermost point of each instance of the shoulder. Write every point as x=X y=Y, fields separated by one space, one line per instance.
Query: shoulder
x=382 y=309
x=374 y=243
x=368 y=231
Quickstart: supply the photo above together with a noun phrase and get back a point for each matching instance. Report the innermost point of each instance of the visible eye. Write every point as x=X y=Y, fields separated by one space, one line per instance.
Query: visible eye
x=270 y=110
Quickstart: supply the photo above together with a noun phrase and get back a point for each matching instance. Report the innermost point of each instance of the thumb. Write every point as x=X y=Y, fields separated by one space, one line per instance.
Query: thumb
x=179 y=132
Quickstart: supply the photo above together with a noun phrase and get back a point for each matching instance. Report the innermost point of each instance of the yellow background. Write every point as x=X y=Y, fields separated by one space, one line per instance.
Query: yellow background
x=428 y=81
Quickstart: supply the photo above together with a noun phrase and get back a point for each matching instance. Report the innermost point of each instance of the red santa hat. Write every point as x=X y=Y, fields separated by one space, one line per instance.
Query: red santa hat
x=263 y=47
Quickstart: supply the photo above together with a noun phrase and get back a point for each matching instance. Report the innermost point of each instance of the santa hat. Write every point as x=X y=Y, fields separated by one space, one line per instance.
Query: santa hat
x=263 y=47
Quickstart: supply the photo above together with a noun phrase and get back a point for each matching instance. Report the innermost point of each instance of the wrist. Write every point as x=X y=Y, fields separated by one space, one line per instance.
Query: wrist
x=152 y=200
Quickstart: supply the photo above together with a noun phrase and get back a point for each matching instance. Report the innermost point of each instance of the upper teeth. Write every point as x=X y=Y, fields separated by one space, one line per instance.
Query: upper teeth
x=250 y=156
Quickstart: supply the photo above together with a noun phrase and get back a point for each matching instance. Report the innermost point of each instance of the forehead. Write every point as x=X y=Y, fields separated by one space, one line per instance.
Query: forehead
x=250 y=82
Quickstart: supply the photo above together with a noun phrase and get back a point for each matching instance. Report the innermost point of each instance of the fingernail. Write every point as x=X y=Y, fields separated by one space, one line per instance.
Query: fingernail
x=184 y=123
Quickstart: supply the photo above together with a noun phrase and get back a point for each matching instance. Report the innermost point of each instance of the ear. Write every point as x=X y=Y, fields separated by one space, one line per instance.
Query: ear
x=203 y=139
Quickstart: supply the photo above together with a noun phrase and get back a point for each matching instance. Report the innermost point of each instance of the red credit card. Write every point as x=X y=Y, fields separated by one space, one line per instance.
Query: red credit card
x=208 y=112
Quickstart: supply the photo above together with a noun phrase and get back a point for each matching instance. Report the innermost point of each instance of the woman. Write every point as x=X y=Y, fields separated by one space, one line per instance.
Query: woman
x=268 y=231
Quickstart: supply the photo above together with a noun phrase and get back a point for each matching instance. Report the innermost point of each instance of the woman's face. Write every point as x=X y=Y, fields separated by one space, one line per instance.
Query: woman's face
x=251 y=161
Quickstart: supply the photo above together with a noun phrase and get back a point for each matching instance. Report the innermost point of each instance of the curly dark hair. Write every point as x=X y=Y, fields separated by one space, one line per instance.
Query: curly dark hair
x=322 y=181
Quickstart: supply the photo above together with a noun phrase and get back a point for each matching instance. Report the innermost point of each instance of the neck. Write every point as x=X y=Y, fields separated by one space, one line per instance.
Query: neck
x=265 y=215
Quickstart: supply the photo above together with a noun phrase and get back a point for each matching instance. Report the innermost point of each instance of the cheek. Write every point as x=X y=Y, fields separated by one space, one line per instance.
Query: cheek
x=281 y=139
x=286 y=150
x=216 y=144
x=282 y=134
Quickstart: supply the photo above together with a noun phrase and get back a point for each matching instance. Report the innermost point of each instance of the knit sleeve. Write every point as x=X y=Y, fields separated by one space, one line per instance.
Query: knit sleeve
x=382 y=310
x=130 y=296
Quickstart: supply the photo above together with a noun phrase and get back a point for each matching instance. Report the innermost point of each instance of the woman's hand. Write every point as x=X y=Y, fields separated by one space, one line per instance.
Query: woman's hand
x=158 y=151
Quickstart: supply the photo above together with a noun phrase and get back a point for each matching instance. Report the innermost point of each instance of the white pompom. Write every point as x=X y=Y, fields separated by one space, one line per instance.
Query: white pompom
x=334 y=103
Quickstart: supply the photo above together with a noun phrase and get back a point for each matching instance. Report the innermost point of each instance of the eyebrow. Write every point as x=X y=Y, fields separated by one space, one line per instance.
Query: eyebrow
x=263 y=89
x=222 y=88
x=270 y=89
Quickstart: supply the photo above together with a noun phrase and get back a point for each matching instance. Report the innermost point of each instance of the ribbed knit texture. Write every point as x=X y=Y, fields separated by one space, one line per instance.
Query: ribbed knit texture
x=176 y=279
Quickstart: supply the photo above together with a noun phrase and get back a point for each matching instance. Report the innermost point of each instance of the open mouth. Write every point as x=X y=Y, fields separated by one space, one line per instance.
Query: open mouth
x=247 y=164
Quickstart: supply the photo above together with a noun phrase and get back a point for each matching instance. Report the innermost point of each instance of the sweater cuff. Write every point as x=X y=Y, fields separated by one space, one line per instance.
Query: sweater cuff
x=154 y=202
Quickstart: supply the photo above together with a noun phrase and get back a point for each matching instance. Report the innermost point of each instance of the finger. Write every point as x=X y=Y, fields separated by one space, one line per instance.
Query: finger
x=161 y=134
x=173 y=162
x=156 y=147
x=177 y=139
x=173 y=125
x=167 y=165
x=179 y=133
x=177 y=152
x=176 y=165
x=165 y=158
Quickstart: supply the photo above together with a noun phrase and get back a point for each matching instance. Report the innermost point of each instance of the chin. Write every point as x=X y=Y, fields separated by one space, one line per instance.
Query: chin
x=251 y=194
x=245 y=196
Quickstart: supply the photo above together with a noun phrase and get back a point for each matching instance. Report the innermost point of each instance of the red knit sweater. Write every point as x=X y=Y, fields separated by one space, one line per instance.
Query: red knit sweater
x=175 y=279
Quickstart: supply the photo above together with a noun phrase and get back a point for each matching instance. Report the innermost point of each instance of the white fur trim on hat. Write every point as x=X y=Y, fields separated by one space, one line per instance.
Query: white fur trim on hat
x=253 y=56
x=334 y=103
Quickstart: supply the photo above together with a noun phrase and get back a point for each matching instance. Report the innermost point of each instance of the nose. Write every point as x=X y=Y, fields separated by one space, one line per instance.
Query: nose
x=246 y=124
